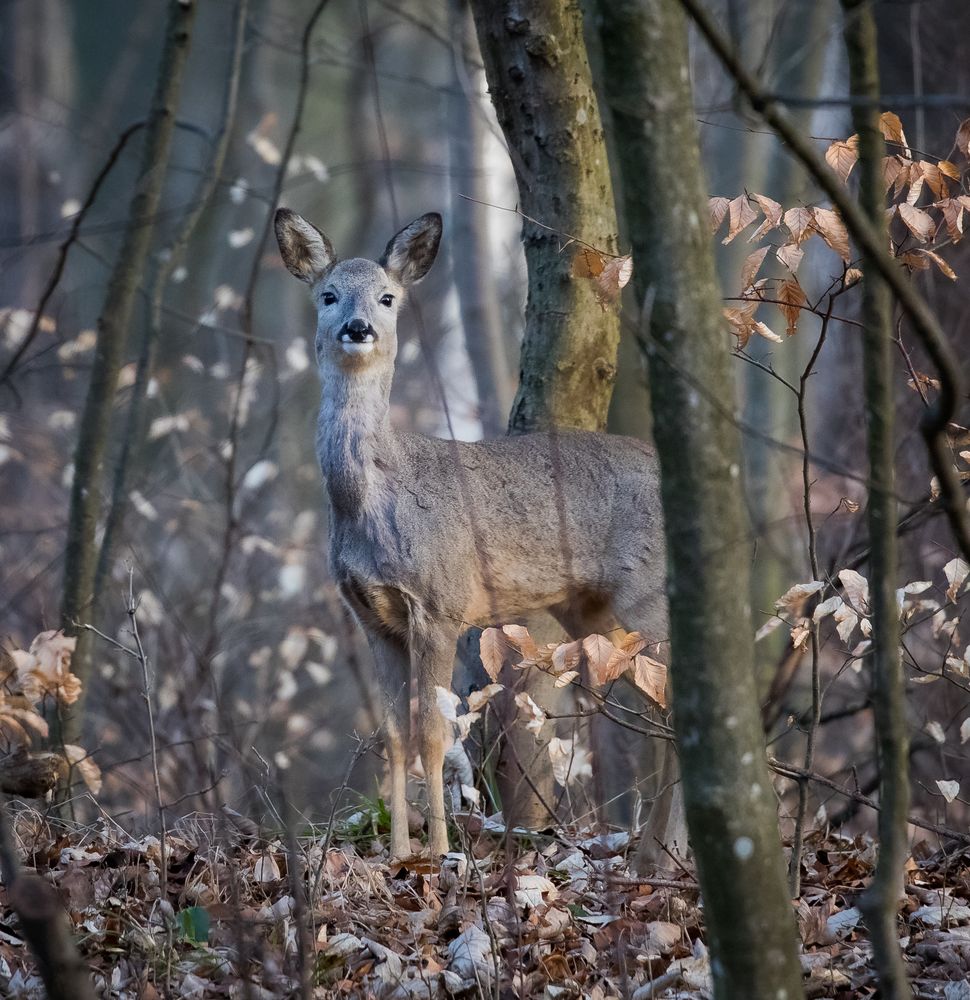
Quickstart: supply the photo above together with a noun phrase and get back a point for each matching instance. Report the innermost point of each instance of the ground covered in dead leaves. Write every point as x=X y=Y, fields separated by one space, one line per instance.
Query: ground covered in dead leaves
x=556 y=917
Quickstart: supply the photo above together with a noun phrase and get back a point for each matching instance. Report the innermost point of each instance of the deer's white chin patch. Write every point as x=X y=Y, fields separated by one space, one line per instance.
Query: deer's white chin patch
x=353 y=347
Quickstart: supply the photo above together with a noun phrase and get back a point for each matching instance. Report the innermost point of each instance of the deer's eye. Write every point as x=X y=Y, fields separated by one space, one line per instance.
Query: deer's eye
x=387 y=300
x=329 y=298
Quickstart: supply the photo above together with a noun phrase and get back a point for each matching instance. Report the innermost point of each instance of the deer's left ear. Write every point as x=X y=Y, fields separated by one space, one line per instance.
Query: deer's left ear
x=410 y=254
x=306 y=252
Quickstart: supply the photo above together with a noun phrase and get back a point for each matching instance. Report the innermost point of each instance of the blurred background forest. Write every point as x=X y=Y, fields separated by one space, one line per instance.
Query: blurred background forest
x=220 y=513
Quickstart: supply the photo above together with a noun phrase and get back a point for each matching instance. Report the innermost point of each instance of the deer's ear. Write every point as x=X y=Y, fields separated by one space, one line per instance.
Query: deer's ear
x=306 y=252
x=410 y=254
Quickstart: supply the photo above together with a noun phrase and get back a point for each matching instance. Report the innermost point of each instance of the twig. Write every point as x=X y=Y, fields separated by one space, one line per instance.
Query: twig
x=131 y=610
x=796 y=773
x=795 y=861
x=231 y=526
x=64 y=248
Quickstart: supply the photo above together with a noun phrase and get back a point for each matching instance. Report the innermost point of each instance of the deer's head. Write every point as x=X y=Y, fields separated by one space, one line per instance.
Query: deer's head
x=357 y=300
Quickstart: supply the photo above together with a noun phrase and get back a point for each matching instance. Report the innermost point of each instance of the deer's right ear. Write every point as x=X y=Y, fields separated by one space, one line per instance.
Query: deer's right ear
x=306 y=252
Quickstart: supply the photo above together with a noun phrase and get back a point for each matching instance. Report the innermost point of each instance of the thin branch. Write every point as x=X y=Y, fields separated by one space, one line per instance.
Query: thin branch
x=64 y=248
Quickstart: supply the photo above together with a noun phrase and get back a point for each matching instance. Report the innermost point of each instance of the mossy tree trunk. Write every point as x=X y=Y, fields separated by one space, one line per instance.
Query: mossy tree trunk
x=727 y=790
x=540 y=83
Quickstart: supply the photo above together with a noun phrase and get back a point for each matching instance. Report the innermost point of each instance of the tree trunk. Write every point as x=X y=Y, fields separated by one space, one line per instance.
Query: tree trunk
x=541 y=86
x=880 y=903
x=113 y=326
x=727 y=790
x=540 y=83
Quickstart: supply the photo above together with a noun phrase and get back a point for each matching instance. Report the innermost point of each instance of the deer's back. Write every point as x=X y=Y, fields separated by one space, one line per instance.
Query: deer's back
x=495 y=528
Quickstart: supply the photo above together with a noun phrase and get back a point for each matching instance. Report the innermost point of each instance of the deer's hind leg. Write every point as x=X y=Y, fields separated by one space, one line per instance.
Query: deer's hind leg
x=665 y=830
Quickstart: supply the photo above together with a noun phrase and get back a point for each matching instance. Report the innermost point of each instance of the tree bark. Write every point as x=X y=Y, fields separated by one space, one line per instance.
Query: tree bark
x=539 y=79
x=880 y=903
x=727 y=790
x=113 y=327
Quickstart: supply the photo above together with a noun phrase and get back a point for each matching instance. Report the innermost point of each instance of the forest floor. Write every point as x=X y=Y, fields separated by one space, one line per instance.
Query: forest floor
x=552 y=916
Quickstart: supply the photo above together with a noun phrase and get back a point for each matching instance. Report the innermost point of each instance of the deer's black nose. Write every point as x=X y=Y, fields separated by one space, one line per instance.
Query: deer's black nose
x=358 y=331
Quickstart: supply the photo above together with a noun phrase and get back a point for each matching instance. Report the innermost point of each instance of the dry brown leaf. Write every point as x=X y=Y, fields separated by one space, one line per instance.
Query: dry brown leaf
x=477 y=700
x=923 y=383
x=751 y=266
x=800 y=633
x=935 y=178
x=718 y=207
x=791 y=297
x=921 y=224
x=587 y=263
x=614 y=277
x=599 y=650
x=842 y=156
x=650 y=676
x=740 y=216
x=566 y=656
x=914 y=261
x=493 y=648
x=892 y=168
x=952 y=209
x=763 y=330
x=941 y=264
x=790 y=255
x=892 y=129
x=741 y=320
x=773 y=216
x=852 y=275
x=518 y=636
x=793 y=599
x=829 y=225
x=962 y=139
x=79 y=761
x=799 y=222
x=949 y=169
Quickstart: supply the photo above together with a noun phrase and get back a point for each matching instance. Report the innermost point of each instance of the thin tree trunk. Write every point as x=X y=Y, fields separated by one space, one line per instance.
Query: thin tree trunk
x=540 y=83
x=880 y=903
x=113 y=326
x=727 y=790
x=135 y=429
x=474 y=282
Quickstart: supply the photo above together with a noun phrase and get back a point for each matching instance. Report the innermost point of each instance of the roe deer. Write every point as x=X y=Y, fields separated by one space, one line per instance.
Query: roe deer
x=430 y=536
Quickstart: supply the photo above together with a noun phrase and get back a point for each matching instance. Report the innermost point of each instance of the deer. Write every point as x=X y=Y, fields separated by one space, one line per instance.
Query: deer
x=431 y=536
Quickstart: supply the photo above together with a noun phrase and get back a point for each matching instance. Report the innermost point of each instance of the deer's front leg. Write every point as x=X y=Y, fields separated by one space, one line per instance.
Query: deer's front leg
x=433 y=660
x=393 y=672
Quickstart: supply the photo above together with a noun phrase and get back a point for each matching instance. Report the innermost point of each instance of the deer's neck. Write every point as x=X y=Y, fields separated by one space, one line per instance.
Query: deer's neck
x=355 y=442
